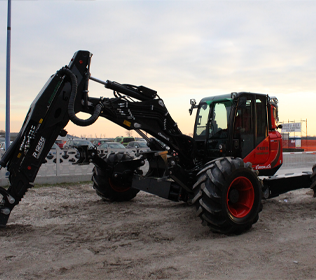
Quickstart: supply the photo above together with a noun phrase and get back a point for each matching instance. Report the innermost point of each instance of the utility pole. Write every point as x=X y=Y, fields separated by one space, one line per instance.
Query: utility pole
x=7 y=120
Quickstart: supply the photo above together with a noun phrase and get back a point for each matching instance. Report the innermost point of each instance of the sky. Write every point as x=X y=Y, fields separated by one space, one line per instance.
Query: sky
x=183 y=49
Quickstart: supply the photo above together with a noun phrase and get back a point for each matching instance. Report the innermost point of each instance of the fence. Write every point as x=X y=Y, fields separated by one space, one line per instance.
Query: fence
x=59 y=167
x=305 y=144
x=308 y=144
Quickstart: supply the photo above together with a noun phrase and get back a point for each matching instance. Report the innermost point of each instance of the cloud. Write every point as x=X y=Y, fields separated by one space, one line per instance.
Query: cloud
x=175 y=47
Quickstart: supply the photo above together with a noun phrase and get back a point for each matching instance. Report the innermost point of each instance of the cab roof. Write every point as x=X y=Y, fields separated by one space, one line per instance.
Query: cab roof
x=227 y=97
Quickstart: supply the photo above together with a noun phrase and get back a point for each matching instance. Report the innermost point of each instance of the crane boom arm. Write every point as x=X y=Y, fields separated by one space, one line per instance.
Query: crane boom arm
x=64 y=95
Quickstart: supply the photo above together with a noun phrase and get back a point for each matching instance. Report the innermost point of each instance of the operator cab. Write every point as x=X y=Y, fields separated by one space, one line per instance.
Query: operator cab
x=239 y=125
x=212 y=125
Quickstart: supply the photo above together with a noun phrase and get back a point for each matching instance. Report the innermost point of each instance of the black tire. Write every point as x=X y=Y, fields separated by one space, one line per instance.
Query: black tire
x=228 y=195
x=108 y=187
x=313 y=179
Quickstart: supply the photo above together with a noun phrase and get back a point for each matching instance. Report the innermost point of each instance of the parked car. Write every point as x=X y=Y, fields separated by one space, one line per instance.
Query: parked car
x=124 y=140
x=98 y=142
x=60 y=143
x=140 y=139
x=75 y=143
x=111 y=145
x=138 y=146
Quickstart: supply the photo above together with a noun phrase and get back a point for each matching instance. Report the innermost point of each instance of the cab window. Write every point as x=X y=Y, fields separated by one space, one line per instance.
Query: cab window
x=261 y=109
x=202 y=120
x=219 y=120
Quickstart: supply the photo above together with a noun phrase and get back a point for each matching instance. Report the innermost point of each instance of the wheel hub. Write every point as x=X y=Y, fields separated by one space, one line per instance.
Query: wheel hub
x=240 y=197
x=233 y=196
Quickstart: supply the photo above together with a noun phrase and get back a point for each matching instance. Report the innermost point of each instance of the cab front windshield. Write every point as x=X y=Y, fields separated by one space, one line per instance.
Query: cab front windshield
x=212 y=120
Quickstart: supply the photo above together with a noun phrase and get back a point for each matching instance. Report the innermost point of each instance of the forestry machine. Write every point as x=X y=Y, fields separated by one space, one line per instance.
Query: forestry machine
x=235 y=142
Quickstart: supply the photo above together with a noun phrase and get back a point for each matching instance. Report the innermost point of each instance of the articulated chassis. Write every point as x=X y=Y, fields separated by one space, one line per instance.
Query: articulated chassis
x=172 y=175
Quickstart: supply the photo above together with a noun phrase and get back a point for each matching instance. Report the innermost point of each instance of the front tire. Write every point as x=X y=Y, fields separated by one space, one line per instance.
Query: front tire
x=110 y=188
x=228 y=195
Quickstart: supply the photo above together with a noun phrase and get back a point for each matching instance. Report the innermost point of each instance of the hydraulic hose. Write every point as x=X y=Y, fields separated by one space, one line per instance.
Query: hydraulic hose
x=72 y=98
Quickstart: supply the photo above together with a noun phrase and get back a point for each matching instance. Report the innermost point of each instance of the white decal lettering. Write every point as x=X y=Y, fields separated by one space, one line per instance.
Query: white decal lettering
x=39 y=147
x=257 y=167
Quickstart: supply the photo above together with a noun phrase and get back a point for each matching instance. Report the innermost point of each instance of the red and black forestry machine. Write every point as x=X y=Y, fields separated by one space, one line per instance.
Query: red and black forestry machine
x=224 y=170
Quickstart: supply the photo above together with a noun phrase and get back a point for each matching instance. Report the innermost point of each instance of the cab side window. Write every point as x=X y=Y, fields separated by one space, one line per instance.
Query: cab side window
x=261 y=110
x=244 y=125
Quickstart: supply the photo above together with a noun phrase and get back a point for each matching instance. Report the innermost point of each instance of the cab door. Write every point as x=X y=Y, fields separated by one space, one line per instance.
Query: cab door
x=261 y=152
x=250 y=136
x=244 y=127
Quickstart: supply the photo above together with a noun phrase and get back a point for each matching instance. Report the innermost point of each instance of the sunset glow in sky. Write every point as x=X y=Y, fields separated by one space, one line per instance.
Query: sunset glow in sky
x=182 y=49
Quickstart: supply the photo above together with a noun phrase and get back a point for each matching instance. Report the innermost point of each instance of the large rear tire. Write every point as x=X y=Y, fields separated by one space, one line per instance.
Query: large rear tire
x=110 y=188
x=228 y=195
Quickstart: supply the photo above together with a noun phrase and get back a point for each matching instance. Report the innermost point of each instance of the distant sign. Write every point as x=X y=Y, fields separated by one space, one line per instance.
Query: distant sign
x=291 y=127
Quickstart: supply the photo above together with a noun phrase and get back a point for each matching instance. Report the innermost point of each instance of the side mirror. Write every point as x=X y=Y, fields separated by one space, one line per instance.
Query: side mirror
x=279 y=126
x=193 y=105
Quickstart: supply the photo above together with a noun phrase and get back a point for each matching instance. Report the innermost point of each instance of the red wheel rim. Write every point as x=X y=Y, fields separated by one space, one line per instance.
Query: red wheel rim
x=245 y=198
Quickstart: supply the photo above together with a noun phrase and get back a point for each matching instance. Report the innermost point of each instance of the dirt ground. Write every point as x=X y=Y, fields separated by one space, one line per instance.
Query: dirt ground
x=67 y=232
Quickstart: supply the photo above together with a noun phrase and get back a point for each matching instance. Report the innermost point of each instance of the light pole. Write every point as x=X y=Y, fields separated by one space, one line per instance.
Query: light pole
x=7 y=120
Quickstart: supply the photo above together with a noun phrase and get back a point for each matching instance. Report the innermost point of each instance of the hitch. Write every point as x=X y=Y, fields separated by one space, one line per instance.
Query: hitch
x=86 y=155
